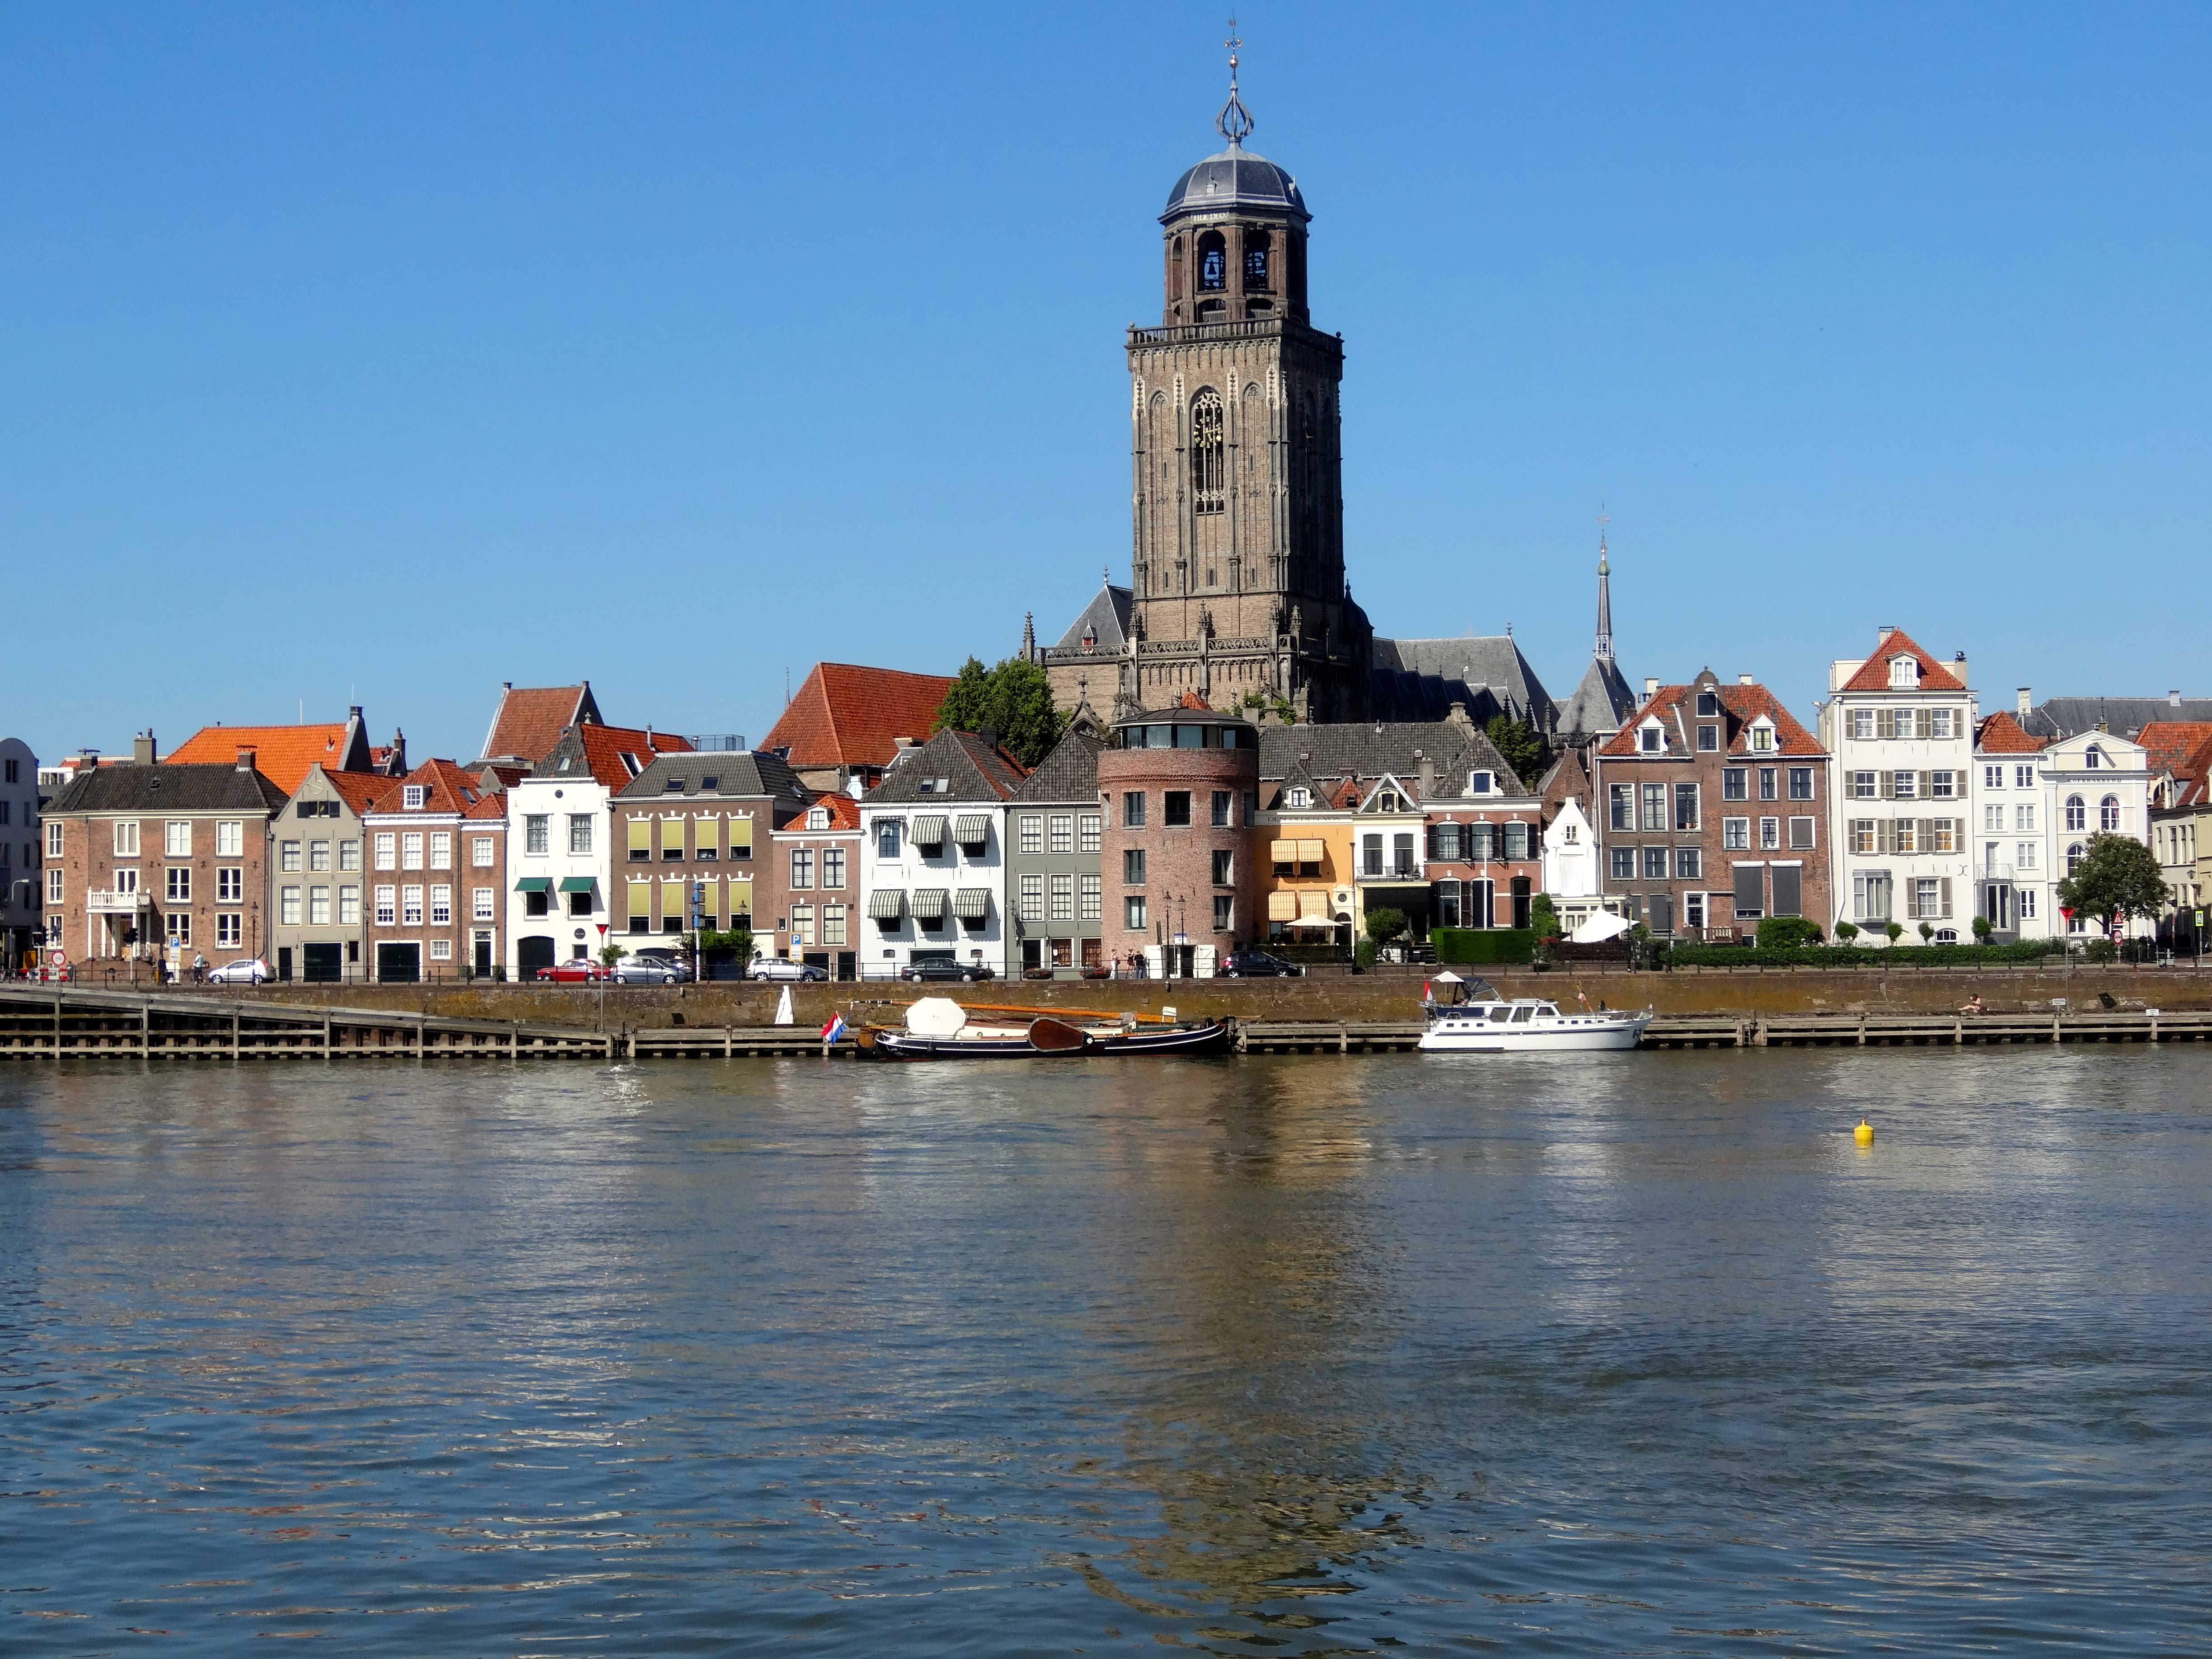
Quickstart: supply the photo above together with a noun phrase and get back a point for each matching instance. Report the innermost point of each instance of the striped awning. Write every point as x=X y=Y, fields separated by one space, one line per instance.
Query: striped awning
x=1282 y=851
x=929 y=902
x=971 y=830
x=1310 y=851
x=886 y=903
x=1282 y=907
x=972 y=903
x=1313 y=904
x=929 y=830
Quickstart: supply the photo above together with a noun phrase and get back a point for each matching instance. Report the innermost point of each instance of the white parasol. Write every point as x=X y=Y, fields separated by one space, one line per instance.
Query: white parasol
x=1600 y=927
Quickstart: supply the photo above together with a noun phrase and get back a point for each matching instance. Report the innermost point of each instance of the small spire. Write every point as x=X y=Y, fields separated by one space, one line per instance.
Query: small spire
x=1235 y=121
x=1603 y=652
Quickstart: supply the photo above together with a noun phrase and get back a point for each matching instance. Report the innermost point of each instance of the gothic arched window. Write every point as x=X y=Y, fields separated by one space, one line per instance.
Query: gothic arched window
x=2108 y=812
x=2077 y=814
x=1213 y=261
x=1206 y=450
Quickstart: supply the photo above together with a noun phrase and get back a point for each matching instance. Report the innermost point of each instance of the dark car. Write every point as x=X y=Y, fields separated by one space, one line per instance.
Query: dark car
x=1258 y=965
x=945 y=970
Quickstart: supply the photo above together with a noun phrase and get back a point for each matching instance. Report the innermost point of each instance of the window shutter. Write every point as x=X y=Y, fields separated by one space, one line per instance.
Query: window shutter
x=1789 y=893
x=1436 y=847
x=1750 y=883
x=1926 y=724
x=1884 y=837
x=1947 y=898
x=1912 y=900
x=1886 y=783
x=1926 y=786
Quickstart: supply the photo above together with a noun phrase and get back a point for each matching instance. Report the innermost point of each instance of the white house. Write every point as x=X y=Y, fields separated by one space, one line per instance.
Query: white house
x=2092 y=782
x=933 y=857
x=1570 y=866
x=560 y=843
x=1901 y=727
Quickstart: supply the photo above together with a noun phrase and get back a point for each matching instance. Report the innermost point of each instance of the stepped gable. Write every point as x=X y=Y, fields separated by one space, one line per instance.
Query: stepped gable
x=846 y=714
x=281 y=754
x=529 y=721
x=1873 y=674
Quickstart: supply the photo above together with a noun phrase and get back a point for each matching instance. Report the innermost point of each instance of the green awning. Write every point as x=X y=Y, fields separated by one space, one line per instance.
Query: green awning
x=928 y=903
x=929 y=830
x=578 y=883
x=886 y=903
x=971 y=830
x=534 y=884
x=972 y=903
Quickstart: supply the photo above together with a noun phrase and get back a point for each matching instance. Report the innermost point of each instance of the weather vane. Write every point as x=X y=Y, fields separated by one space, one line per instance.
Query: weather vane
x=1235 y=121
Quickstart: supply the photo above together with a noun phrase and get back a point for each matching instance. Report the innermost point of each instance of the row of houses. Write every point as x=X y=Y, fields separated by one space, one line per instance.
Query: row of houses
x=854 y=838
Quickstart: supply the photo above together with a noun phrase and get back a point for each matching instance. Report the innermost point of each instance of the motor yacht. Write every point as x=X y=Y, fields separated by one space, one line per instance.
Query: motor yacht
x=1496 y=1024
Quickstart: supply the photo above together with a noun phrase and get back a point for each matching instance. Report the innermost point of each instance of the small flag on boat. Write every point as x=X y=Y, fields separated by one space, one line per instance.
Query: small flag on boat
x=835 y=1028
x=1583 y=997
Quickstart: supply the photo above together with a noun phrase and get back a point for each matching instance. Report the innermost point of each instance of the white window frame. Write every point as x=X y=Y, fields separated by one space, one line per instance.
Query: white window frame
x=230 y=838
x=177 y=838
x=484 y=906
x=480 y=853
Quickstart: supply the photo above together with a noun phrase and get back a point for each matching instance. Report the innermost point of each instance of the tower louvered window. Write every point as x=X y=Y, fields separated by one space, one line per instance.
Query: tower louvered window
x=1206 y=451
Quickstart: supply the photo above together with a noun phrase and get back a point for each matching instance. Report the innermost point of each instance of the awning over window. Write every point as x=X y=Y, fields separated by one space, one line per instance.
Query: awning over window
x=673 y=895
x=640 y=835
x=929 y=902
x=640 y=898
x=741 y=836
x=971 y=830
x=1282 y=907
x=1314 y=904
x=886 y=903
x=672 y=836
x=578 y=883
x=1282 y=851
x=1310 y=851
x=709 y=834
x=929 y=831
x=534 y=884
x=972 y=903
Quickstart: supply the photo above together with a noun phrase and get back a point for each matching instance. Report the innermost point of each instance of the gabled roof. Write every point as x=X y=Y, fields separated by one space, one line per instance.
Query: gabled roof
x=1367 y=748
x=743 y=773
x=613 y=755
x=1069 y=774
x=168 y=786
x=844 y=811
x=972 y=771
x=530 y=719
x=445 y=788
x=848 y=715
x=2001 y=734
x=1874 y=673
x=281 y=754
x=2181 y=747
x=1743 y=706
x=355 y=789
x=1414 y=680
x=1107 y=617
x=1600 y=704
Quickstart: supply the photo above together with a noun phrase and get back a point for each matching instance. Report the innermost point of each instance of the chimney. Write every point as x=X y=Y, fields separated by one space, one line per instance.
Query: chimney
x=1881 y=635
x=352 y=711
x=2173 y=699
x=246 y=757
x=989 y=735
x=1650 y=685
x=142 y=752
x=1428 y=779
x=1745 y=679
x=2025 y=704
x=1459 y=716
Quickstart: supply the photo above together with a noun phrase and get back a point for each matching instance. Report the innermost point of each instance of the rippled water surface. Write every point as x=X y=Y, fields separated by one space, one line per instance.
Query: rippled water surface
x=1267 y=1357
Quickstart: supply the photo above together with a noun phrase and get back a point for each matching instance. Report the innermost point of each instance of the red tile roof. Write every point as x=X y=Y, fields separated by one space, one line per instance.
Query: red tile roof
x=357 y=789
x=848 y=715
x=2183 y=747
x=531 y=718
x=1744 y=704
x=1873 y=672
x=605 y=745
x=844 y=810
x=281 y=754
x=2002 y=734
x=446 y=788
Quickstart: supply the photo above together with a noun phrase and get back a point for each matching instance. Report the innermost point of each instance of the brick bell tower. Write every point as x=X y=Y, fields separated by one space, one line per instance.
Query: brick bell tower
x=1238 y=590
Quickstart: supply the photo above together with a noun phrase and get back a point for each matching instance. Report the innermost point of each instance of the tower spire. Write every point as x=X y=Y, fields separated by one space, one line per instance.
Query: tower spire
x=1235 y=121
x=1604 y=652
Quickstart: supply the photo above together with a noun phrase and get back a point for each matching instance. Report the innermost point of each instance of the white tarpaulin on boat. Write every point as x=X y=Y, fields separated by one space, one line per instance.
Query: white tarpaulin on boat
x=936 y=1017
x=1601 y=927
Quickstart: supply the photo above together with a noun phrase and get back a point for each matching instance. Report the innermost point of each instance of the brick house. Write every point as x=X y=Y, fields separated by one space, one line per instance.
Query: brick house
x=811 y=881
x=318 y=913
x=1055 y=885
x=155 y=852
x=437 y=879
x=846 y=723
x=703 y=821
x=1715 y=799
x=530 y=719
x=1180 y=788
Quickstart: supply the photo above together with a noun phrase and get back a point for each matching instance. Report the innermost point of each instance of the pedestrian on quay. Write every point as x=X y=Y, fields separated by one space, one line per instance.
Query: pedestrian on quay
x=199 y=968
x=1974 y=1004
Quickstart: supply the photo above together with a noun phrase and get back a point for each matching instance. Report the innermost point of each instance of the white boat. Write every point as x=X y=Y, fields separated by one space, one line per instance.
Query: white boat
x=1496 y=1025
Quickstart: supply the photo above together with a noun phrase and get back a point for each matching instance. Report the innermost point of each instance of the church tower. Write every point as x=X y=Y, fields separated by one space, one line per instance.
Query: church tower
x=1238 y=589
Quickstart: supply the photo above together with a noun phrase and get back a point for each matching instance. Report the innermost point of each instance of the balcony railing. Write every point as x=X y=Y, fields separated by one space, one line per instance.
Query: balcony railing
x=1392 y=873
x=103 y=900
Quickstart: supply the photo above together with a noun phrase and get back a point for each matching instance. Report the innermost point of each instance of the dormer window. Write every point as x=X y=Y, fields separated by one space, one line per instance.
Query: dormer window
x=1298 y=797
x=1480 y=783
x=817 y=817
x=1904 y=672
x=629 y=763
x=565 y=762
x=710 y=781
x=674 y=786
x=1762 y=737
x=412 y=796
x=1651 y=738
x=1386 y=801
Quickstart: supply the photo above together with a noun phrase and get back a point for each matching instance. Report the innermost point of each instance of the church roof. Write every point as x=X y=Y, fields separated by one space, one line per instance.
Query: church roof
x=1420 y=679
x=1601 y=704
x=1108 y=614
x=1235 y=178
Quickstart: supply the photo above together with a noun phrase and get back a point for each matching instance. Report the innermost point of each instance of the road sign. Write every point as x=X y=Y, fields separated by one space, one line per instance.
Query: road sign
x=60 y=959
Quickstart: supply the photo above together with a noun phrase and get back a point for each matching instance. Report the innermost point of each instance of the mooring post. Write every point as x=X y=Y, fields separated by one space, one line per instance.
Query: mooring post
x=57 y=1028
x=233 y=1034
x=145 y=1031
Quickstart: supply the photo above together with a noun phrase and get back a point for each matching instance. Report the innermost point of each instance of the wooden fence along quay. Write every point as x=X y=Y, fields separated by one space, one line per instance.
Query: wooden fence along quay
x=51 y=1023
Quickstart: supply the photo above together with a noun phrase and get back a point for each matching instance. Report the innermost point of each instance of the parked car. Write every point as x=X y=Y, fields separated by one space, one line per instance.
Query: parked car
x=945 y=970
x=646 y=970
x=1258 y=965
x=664 y=956
x=581 y=970
x=248 y=970
x=784 y=968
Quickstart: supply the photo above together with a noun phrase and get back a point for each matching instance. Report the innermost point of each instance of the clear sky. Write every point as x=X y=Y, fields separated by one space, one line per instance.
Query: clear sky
x=382 y=354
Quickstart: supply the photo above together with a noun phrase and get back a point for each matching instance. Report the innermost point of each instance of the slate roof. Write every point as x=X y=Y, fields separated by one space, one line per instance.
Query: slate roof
x=848 y=715
x=1107 y=612
x=281 y=754
x=1367 y=748
x=1234 y=178
x=1600 y=704
x=599 y=749
x=530 y=719
x=1420 y=679
x=2001 y=734
x=1069 y=773
x=1744 y=704
x=1873 y=674
x=973 y=771
x=169 y=785
x=741 y=773
x=2065 y=717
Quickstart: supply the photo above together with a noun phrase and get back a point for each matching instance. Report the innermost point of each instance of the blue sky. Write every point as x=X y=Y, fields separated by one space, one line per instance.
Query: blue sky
x=383 y=354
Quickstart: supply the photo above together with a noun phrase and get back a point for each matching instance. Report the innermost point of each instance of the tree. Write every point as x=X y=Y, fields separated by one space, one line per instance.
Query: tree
x=1014 y=699
x=1894 y=929
x=1385 y=924
x=1519 y=747
x=1983 y=929
x=2117 y=880
x=1544 y=917
x=1926 y=932
x=1847 y=931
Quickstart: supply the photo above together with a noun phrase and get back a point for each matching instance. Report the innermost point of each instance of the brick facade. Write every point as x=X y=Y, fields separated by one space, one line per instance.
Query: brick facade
x=437 y=878
x=1178 y=844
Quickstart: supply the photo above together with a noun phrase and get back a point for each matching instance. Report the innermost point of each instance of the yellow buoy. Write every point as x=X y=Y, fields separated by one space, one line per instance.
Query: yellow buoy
x=1864 y=1134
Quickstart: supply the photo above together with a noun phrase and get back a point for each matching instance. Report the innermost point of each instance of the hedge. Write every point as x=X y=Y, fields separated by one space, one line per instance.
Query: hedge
x=1850 y=956
x=1483 y=944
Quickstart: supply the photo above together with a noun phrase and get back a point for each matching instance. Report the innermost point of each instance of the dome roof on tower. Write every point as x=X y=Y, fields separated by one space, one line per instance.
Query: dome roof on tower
x=1232 y=179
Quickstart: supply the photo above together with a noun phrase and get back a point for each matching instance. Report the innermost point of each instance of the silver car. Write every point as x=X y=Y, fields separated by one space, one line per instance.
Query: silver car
x=784 y=968
x=646 y=970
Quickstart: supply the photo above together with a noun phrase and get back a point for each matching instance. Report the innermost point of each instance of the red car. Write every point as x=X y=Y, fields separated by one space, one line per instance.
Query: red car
x=581 y=972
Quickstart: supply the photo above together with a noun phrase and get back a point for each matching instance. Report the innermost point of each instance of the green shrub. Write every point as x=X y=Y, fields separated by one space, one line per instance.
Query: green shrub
x=1385 y=924
x=1544 y=917
x=2100 y=950
x=1481 y=944
x=1983 y=929
x=1847 y=931
x=1363 y=954
x=1847 y=956
x=1788 y=933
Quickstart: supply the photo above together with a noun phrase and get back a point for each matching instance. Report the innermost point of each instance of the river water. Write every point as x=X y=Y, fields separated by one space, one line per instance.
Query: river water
x=1633 y=1353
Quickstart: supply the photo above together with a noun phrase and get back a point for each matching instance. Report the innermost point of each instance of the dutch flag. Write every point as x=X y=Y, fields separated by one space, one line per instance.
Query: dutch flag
x=835 y=1028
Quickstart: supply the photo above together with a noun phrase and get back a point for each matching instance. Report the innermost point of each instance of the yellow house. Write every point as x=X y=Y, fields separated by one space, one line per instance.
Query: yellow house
x=1306 y=837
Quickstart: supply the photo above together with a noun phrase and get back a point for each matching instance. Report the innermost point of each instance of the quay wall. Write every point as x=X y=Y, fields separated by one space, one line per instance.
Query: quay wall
x=1730 y=992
